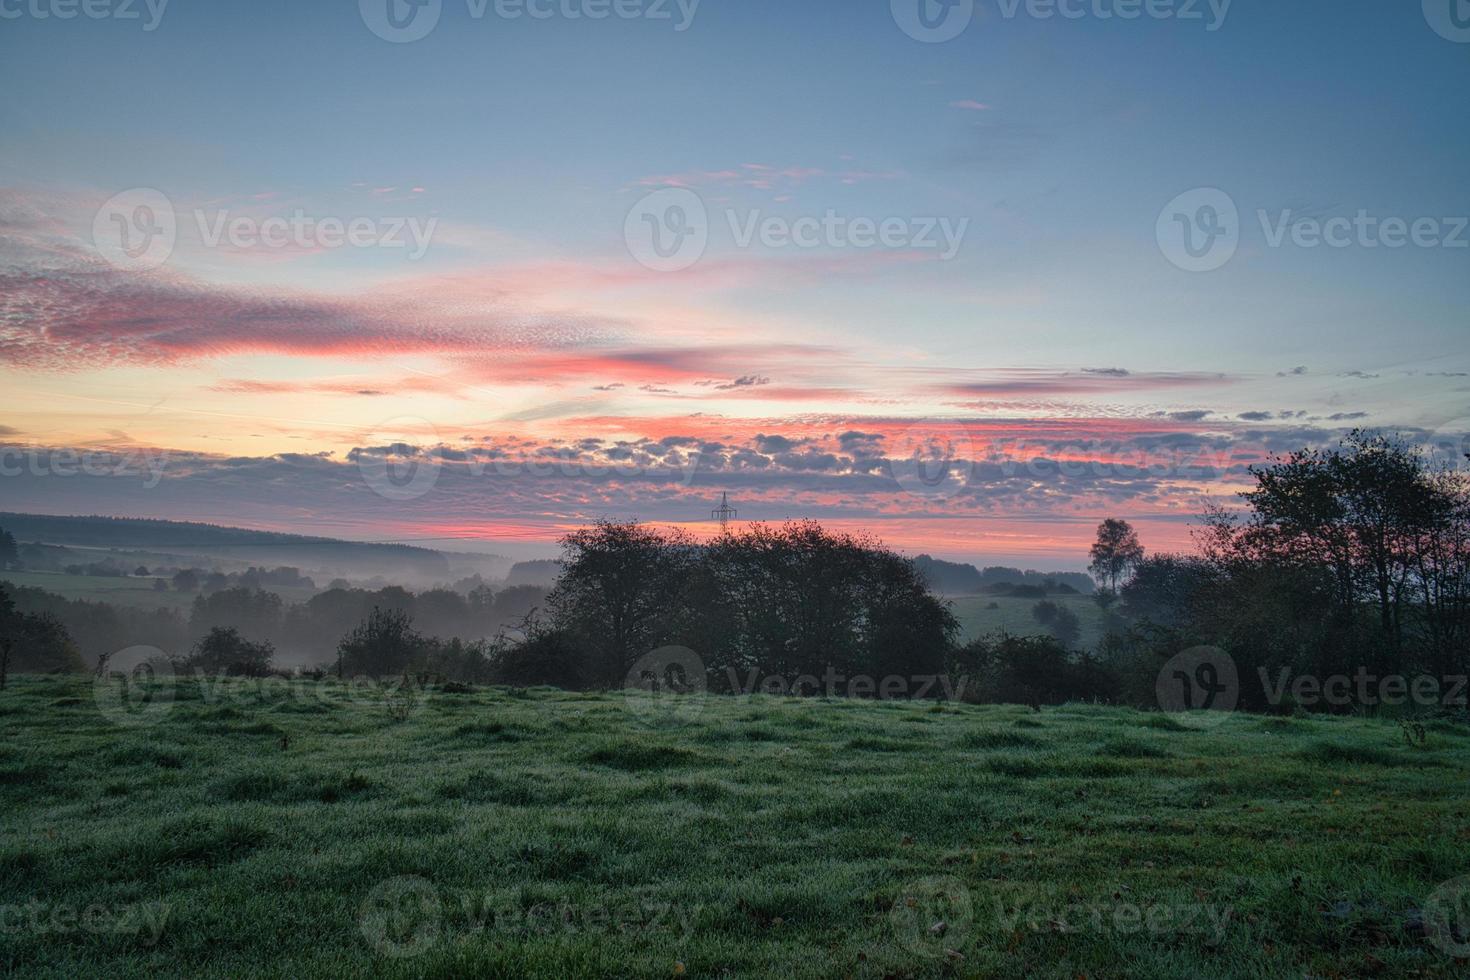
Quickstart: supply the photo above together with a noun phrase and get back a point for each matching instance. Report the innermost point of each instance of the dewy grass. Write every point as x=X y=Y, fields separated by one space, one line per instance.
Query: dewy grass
x=536 y=833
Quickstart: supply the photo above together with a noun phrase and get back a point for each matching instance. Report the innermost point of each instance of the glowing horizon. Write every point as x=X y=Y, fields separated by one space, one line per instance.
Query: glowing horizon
x=452 y=272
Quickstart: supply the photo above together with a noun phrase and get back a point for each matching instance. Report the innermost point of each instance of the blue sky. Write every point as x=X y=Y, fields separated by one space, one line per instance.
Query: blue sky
x=1057 y=141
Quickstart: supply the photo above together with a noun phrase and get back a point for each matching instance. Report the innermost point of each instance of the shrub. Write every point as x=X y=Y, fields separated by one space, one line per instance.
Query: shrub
x=224 y=651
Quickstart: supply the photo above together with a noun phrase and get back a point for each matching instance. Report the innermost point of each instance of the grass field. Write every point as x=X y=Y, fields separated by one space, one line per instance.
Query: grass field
x=303 y=832
x=1014 y=616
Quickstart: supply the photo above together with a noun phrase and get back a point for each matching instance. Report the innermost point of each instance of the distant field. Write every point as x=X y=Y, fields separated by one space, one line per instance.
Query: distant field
x=122 y=591
x=1014 y=616
x=536 y=833
x=138 y=592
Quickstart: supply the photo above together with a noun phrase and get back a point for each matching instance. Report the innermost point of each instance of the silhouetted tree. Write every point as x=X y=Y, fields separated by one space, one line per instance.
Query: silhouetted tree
x=33 y=642
x=621 y=593
x=9 y=553
x=224 y=651
x=1115 y=552
x=383 y=644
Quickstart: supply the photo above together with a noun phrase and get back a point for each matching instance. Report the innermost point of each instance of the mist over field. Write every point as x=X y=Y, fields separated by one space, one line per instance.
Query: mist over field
x=864 y=489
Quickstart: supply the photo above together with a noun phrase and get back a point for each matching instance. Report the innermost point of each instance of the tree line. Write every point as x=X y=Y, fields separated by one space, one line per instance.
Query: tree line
x=1340 y=561
x=1349 y=560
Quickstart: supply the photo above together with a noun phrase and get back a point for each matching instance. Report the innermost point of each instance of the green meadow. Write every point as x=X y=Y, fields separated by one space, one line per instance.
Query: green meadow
x=236 y=829
x=982 y=615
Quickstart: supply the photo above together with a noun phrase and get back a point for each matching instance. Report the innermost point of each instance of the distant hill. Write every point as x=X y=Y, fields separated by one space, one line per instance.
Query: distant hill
x=540 y=572
x=182 y=537
x=956 y=578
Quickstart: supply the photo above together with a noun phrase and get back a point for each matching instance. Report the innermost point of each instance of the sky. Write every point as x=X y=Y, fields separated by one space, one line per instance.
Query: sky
x=973 y=275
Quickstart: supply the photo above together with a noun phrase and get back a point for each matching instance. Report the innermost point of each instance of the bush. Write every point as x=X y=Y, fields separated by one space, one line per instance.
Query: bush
x=224 y=651
x=548 y=657
x=383 y=644
x=1030 y=670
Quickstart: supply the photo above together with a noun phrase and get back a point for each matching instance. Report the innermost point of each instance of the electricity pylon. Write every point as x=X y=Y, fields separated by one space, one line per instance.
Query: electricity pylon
x=724 y=513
